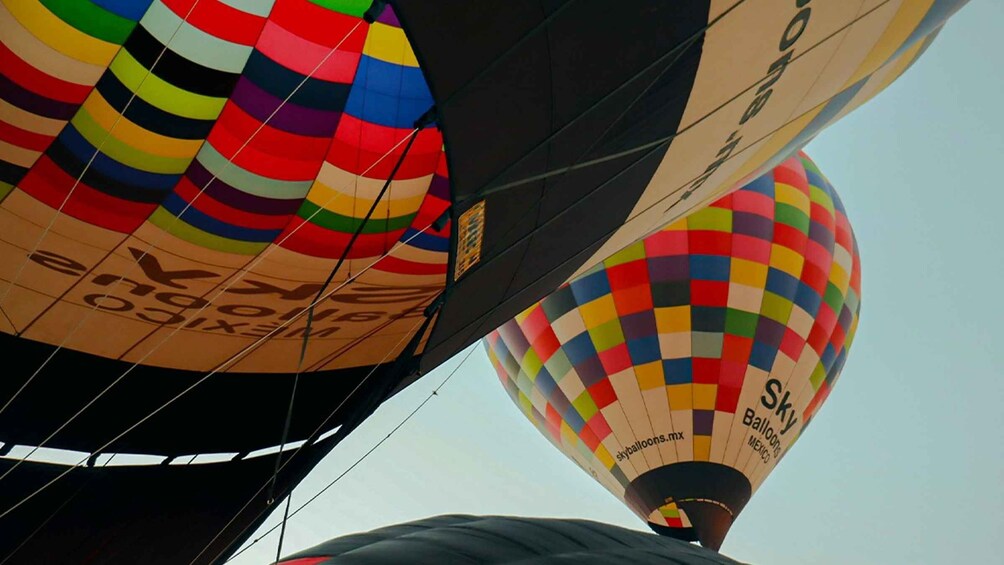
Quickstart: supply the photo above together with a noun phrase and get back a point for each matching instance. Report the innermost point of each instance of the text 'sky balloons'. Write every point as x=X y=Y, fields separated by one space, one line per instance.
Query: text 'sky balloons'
x=180 y=181
x=680 y=370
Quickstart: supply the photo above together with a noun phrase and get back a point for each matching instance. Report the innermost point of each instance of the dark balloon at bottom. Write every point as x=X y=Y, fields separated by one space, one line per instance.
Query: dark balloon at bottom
x=502 y=540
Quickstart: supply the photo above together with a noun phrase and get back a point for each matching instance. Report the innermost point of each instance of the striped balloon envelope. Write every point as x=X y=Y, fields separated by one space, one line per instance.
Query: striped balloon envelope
x=682 y=369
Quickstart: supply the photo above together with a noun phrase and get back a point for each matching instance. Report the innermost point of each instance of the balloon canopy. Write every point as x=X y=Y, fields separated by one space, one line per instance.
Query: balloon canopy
x=504 y=540
x=683 y=368
x=203 y=202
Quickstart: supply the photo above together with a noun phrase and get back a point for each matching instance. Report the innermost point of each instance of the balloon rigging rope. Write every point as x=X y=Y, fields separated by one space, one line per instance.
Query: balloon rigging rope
x=394 y=430
x=226 y=363
x=282 y=531
x=310 y=319
x=174 y=220
x=87 y=166
x=315 y=433
x=48 y=519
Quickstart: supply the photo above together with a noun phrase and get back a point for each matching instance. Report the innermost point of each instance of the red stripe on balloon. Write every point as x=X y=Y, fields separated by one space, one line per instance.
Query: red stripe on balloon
x=319 y=24
x=219 y=19
x=269 y=151
x=226 y=213
x=24 y=138
x=48 y=183
x=311 y=239
x=27 y=76
x=391 y=264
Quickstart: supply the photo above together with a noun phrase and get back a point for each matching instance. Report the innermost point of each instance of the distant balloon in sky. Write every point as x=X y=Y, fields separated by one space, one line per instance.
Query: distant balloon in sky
x=681 y=370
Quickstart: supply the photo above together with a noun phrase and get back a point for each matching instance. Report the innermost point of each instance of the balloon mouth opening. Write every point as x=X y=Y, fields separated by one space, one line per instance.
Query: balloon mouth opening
x=683 y=534
x=711 y=495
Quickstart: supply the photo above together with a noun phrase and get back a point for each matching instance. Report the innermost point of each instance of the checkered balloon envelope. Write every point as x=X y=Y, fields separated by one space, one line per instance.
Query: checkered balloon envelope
x=680 y=370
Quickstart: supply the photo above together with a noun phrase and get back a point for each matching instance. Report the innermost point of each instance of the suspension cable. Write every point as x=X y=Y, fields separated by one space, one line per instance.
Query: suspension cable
x=315 y=433
x=310 y=312
x=435 y=392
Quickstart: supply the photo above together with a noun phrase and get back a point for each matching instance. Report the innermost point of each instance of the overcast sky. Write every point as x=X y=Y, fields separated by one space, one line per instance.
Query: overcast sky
x=905 y=463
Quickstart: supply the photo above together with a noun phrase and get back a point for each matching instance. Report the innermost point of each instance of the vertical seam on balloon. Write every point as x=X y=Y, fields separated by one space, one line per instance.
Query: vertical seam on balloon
x=766 y=265
x=755 y=467
x=397 y=113
x=538 y=204
x=662 y=368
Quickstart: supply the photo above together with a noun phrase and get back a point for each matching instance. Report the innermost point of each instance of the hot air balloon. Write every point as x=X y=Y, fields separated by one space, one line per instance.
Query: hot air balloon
x=502 y=540
x=683 y=368
x=232 y=228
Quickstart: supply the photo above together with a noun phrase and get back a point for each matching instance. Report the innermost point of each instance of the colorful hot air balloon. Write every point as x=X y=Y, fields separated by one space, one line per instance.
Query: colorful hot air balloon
x=181 y=180
x=682 y=369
